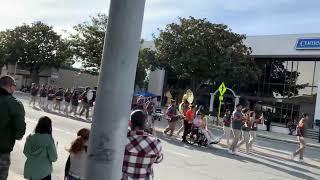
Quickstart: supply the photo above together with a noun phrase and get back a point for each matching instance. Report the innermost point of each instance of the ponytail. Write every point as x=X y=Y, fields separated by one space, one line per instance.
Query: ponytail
x=80 y=143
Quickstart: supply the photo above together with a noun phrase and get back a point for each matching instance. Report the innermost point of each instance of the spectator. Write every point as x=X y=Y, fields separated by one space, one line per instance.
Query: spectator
x=291 y=126
x=12 y=122
x=141 y=101
x=43 y=95
x=34 y=93
x=40 y=151
x=142 y=150
x=76 y=164
x=268 y=120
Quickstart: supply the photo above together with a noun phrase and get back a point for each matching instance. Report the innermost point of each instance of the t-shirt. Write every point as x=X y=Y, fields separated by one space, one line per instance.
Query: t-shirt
x=59 y=95
x=237 y=120
x=51 y=95
x=227 y=120
x=75 y=100
x=172 y=114
x=197 y=122
x=34 y=91
x=43 y=92
x=67 y=97
x=190 y=115
x=300 y=130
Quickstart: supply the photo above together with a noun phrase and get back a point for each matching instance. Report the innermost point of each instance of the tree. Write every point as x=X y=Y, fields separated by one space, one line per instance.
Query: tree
x=87 y=45
x=3 y=47
x=35 y=47
x=202 y=52
x=87 y=42
x=278 y=79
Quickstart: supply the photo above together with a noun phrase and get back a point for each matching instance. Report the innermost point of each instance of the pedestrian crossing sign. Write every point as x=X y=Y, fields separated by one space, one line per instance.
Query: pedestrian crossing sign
x=222 y=89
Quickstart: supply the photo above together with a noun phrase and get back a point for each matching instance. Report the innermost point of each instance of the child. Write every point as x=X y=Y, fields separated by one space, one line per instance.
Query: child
x=40 y=151
x=201 y=123
x=76 y=164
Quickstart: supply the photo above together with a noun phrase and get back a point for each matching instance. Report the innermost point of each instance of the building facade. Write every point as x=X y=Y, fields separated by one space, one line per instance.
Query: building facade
x=287 y=92
x=63 y=77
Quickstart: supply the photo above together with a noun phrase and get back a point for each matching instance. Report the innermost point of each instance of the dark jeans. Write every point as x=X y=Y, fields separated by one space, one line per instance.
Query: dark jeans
x=268 y=127
x=187 y=129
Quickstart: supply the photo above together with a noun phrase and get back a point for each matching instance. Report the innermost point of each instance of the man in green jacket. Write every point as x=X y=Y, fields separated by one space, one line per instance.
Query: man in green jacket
x=12 y=122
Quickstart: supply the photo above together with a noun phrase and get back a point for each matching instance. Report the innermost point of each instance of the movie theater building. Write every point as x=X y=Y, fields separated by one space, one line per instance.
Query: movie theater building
x=297 y=53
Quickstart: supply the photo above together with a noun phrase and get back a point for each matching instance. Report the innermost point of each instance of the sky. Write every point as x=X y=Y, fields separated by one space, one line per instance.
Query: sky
x=251 y=17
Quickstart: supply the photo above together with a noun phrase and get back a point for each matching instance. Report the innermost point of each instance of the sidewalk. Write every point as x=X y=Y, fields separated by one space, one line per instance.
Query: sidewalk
x=281 y=137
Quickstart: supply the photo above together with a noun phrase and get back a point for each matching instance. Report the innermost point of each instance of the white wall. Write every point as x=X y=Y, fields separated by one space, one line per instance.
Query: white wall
x=156 y=81
x=280 y=45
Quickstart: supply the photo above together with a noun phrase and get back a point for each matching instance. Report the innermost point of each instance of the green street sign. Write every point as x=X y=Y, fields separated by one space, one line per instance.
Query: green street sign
x=222 y=89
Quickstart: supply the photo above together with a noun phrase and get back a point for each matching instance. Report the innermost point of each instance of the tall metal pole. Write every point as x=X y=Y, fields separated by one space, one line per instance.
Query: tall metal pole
x=115 y=90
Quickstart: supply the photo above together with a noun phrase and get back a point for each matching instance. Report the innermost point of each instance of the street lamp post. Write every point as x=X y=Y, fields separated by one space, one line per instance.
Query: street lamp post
x=115 y=90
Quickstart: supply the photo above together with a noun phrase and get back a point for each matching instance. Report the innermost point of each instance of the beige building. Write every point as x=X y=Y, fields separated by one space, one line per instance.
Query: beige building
x=63 y=77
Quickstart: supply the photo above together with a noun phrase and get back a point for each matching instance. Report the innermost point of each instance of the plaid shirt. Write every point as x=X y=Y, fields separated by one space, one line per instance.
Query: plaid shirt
x=142 y=151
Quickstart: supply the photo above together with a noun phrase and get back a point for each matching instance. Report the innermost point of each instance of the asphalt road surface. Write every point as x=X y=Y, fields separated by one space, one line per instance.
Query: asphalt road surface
x=268 y=161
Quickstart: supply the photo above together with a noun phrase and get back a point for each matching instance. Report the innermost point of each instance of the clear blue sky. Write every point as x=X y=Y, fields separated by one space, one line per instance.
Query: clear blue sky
x=251 y=17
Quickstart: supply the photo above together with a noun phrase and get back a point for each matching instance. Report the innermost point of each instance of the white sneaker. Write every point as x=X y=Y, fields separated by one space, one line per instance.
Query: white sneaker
x=291 y=157
x=301 y=160
x=231 y=152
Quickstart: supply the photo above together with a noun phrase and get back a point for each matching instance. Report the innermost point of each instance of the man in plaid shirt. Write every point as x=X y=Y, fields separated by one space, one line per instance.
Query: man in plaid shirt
x=142 y=150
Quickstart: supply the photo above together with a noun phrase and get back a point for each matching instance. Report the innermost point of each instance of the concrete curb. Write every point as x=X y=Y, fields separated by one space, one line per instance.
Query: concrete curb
x=275 y=138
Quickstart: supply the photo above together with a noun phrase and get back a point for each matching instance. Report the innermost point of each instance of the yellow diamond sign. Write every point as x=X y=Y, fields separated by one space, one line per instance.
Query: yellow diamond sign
x=222 y=89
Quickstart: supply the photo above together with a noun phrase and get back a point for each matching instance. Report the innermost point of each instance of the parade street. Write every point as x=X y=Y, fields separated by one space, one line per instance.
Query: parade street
x=269 y=161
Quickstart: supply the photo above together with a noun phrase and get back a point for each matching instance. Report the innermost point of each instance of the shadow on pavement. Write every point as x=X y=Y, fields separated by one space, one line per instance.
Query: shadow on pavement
x=210 y=149
x=270 y=149
x=63 y=115
x=245 y=159
x=273 y=158
x=291 y=172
